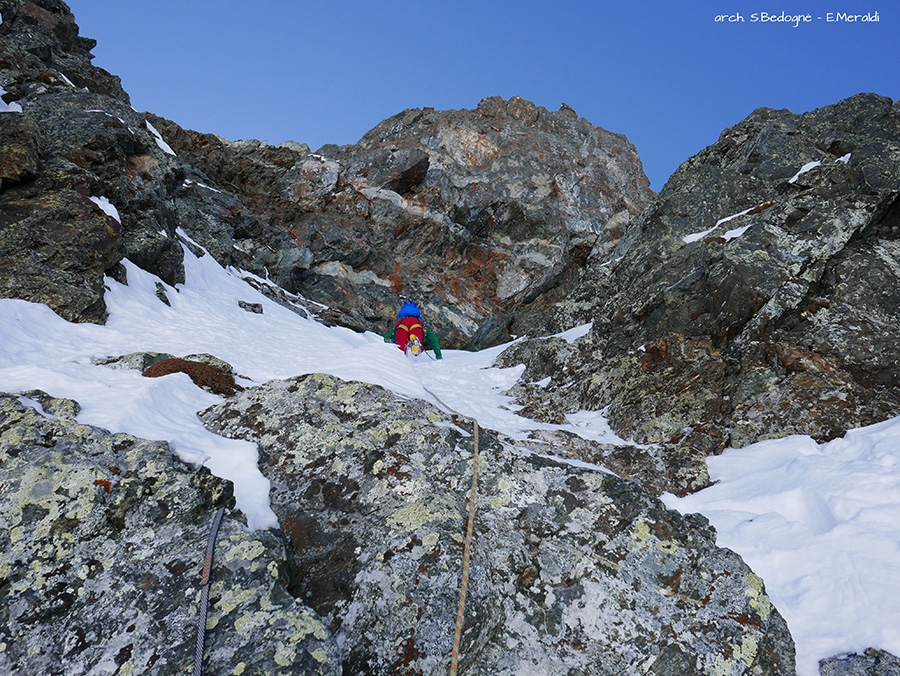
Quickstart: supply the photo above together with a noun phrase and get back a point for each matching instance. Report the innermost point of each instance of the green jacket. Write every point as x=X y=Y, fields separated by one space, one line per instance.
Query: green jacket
x=431 y=340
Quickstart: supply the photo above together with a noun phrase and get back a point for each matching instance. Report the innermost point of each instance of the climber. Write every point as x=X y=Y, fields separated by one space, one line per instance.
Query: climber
x=410 y=332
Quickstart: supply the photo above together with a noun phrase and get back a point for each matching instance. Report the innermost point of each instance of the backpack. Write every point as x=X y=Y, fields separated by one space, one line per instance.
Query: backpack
x=409 y=309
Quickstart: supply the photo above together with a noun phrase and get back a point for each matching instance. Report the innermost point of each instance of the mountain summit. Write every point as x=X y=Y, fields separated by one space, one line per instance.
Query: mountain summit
x=485 y=216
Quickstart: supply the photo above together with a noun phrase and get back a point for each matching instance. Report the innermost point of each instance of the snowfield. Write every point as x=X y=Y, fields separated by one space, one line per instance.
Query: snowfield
x=819 y=522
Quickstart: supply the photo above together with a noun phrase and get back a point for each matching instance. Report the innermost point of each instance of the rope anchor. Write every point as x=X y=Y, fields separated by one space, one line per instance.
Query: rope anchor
x=204 y=595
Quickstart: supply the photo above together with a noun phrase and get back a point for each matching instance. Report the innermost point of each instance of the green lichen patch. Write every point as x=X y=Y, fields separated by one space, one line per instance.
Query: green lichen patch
x=570 y=568
x=102 y=560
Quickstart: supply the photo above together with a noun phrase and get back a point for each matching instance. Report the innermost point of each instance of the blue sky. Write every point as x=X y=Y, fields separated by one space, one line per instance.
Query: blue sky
x=665 y=74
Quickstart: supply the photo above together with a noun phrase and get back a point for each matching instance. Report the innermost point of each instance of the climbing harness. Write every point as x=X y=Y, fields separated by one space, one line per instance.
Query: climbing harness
x=467 y=548
x=416 y=325
x=204 y=595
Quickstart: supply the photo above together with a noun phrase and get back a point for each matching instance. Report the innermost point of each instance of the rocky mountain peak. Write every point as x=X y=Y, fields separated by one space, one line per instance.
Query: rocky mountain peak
x=522 y=151
x=485 y=216
x=755 y=296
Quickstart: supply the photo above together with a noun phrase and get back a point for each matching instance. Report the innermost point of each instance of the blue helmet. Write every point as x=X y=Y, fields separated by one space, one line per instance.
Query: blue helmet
x=409 y=309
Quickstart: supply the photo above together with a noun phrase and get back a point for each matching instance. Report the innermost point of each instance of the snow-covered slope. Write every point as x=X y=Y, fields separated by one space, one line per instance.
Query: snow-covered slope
x=820 y=523
x=41 y=351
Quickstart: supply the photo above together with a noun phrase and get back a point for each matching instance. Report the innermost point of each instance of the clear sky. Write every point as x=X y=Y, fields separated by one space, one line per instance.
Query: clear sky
x=666 y=74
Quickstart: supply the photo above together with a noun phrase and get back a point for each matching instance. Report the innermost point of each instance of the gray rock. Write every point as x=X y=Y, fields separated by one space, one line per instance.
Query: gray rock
x=872 y=663
x=51 y=407
x=573 y=570
x=101 y=557
x=211 y=360
x=19 y=158
x=139 y=361
x=780 y=315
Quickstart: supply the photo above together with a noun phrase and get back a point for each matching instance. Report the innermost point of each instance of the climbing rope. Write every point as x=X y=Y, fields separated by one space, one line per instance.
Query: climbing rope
x=467 y=547
x=460 y=612
x=204 y=595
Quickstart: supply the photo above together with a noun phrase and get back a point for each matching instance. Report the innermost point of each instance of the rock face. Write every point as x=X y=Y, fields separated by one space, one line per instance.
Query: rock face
x=872 y=663
x=573 y=570
x=42 y=51
x=76 y=139
x=78 y=147
x=756 y=297
x=101 y=557
x=484 y=216
x=55 y=242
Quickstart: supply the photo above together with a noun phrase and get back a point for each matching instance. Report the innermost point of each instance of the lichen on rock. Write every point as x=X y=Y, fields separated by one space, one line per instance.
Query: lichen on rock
x=572 y=568
x=100 y=562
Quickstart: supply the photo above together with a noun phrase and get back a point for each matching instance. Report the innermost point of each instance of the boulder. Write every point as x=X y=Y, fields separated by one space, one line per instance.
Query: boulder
x=102 y=552
x=573 y=569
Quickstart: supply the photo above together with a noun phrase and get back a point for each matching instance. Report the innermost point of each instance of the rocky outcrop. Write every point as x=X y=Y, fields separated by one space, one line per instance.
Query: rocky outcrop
x=573 y=569
x=41 y=51
x=54 y=242
x=102 y=552
x=484 y=216
x=76 y=146
x=872 y=663
x=85 y=180
x=756 y=297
